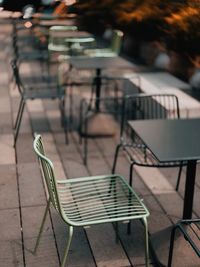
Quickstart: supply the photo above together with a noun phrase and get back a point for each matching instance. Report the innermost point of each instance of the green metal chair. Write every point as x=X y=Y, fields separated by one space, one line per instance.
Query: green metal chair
x=87 y=201
x=111 y=51
x=39 y=88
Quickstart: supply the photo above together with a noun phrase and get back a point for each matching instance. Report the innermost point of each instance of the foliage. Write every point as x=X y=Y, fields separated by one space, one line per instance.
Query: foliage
x=177 y=22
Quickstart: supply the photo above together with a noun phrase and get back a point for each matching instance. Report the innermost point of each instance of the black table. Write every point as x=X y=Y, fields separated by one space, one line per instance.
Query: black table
x=174 y=140
x=98 y=64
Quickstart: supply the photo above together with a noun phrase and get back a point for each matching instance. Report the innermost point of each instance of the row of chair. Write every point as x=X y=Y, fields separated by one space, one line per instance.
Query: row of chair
x=116 y=200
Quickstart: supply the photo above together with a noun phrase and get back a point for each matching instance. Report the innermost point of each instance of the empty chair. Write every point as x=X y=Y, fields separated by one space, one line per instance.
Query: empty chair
x=57 y=38
x=190 y=229
x=140 y=107
x=111 y=51
x=87 y=201
x=43 y=88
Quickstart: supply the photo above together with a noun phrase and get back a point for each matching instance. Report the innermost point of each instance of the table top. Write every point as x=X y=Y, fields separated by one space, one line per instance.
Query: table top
x=100 y=62
x=71 y=34
x=56 y=22
x=170 y=140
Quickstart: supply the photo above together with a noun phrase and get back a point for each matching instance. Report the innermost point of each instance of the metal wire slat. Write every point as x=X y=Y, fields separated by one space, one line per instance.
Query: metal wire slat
x=90 y=200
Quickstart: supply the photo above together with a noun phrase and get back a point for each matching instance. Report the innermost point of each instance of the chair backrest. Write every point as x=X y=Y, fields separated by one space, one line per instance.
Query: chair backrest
x=145 y=107
x=116 y=42
x=47 y=172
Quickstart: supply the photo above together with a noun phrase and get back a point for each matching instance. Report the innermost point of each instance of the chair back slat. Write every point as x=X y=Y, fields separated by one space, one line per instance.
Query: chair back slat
x=145 y=107
x=47 y=172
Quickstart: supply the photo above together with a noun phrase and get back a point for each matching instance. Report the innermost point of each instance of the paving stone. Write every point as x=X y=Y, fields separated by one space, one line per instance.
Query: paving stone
x=46 y=255
x=11 y=253
x=7 y=151
x=30 y=180
x=32 y=218
x=6 y=124
x=10 y=224
x=4 y=104
x=8 y=187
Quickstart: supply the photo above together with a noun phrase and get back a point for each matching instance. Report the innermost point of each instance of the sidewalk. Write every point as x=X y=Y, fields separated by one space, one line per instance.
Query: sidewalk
x=22 y=194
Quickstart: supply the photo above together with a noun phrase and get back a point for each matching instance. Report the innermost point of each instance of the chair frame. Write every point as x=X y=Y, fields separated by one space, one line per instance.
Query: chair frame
x=64 y=196
x=24 y=97
x=180 y=226
x=148 y=113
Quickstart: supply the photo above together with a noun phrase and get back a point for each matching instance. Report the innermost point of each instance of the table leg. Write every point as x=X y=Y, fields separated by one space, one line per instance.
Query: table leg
x=189 y=189
x=98 y=87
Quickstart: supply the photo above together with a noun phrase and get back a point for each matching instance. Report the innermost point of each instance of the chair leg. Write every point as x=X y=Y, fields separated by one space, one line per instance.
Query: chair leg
x=179 y=177
x=18 y=120
x=63 y=119
x=146 y=242
x=67 y=246
x=171 y=248
x=41 y=227
x=85 y=150
x=115 y=158
x=70 y=104
x=131 y=173
x=130 y=183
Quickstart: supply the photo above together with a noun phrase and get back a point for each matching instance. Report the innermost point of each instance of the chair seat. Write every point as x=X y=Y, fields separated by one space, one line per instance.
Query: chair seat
x=99 y=199
x=142 y=156
x=101 y=52
x=58 y=48
x=43 y=92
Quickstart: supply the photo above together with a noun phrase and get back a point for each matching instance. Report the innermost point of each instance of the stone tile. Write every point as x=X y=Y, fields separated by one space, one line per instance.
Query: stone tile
x=6 y=123
x=4 y=105
x=32 y=218
x=8 y=187
x=24 y=148
x=11 y=253
x=7 y=151
x=46 y=255
x=10 y=228
x=30 y=182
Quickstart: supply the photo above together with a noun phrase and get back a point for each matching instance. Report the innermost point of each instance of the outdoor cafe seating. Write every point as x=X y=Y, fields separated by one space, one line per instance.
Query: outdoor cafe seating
x=44 y=88
x=94 y=113
x=88 y=201
x=140 y=107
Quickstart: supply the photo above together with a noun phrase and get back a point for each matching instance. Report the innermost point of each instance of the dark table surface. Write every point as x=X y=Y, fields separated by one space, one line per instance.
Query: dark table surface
x=170 y=140
x=100 y=63
x=71 y=34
